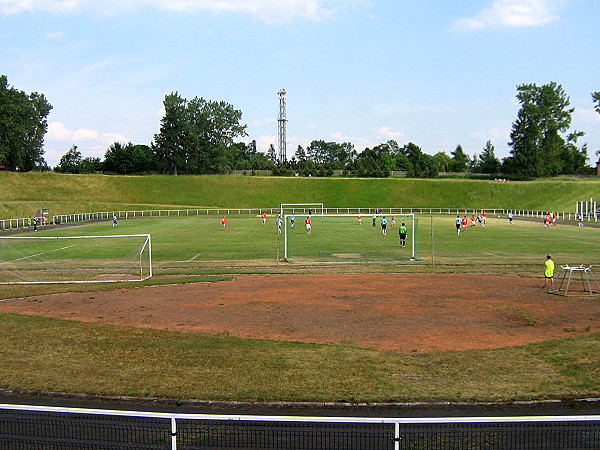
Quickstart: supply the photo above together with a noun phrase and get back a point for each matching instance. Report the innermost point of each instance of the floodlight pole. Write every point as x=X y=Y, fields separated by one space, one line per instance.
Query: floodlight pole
x=281 y=121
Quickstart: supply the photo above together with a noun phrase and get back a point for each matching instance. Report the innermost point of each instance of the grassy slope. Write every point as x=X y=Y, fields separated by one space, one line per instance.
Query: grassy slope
x=22 y=194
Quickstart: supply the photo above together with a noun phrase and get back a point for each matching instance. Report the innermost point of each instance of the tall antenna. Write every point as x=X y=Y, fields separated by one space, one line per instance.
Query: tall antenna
x=281 y=121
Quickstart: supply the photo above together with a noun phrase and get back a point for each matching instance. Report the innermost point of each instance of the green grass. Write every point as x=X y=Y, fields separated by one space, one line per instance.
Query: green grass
x=49 y=354
x=66 y=356
x=183 y=245
x=23 y=193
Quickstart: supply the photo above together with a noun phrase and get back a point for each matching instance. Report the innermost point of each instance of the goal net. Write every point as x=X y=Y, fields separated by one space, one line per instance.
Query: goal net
x=302 y=208
x=342 y=238
x=75 y=259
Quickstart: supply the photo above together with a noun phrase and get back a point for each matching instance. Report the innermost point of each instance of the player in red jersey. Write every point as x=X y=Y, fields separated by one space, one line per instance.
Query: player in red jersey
x=223 y=222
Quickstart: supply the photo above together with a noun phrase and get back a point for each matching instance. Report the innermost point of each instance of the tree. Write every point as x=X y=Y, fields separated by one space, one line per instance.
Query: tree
x=272 y=154
x=70 y=162
x=300 y=154
x=422 y=164
x=90 y=164
x=378 y=161
x=537 y=135
x=487 y=161
x=171 y=145
x=213 y=127
x=573 y=158
x=596 y=98
x=74 y=162
x=333 y=154
x=197 y=136
x=23 y=126
x=460 y=160
x=443 y=161
x=128 y=159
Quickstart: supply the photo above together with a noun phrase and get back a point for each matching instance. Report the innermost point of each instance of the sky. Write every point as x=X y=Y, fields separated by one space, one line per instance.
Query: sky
x=438 y=73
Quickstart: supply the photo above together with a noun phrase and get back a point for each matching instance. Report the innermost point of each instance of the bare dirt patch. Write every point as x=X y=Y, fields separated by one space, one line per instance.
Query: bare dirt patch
x=394 y=312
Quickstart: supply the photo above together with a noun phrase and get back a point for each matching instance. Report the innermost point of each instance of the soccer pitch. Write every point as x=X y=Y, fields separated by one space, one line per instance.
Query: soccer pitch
x=184 y=242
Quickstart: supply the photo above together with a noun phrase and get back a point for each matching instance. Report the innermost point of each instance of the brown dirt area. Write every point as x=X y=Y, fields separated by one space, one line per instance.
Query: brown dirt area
x=392 y=312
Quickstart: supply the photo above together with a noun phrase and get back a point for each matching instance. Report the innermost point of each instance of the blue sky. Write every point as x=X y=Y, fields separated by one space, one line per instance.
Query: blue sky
x=434 y=72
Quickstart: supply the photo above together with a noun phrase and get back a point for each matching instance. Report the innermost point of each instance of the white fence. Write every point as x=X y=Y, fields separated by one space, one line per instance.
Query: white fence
x=9 y=224
x=44 y=427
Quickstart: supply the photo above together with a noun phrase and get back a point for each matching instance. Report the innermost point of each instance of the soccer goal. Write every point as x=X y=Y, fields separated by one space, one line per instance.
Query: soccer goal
x=343 y=238
x=75 y=259
x=302 y=208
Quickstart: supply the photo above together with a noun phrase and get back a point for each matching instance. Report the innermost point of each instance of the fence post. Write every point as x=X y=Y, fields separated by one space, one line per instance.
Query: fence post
x=173 y=433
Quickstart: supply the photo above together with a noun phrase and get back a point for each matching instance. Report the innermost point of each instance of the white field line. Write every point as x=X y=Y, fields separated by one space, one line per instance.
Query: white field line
x=37 y=254
x=497 y=256
x=189 y=260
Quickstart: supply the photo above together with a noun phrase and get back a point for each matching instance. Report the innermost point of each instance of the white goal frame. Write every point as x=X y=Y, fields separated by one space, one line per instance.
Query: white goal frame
x=409 y=215
x=146 y=245
x=303 y=206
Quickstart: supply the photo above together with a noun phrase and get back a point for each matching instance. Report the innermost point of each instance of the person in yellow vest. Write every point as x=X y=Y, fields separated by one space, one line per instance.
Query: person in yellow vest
x=548 y=272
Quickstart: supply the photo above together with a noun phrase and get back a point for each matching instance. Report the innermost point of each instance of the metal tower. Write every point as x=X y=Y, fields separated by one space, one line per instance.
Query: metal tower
x=281 y=121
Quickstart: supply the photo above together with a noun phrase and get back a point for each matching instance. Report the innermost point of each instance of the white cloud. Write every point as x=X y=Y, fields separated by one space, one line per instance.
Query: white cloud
x=586 y=115
x=8 y=7
x=58 y=132
x=512 y=13
x=270 y=11
x=92 y=143
x=493 y=134
x=388 y=133
x=263 y=142
x=360 y=143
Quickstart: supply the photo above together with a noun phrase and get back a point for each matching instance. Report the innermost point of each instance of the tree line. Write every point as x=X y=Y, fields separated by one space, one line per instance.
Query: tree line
x=201 y=136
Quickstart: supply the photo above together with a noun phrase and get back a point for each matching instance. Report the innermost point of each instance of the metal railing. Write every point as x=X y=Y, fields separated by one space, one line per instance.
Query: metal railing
x=27 y=426
x=9 y=224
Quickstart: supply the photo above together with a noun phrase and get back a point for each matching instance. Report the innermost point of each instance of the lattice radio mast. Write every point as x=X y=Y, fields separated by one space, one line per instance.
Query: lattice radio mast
x=281 y=121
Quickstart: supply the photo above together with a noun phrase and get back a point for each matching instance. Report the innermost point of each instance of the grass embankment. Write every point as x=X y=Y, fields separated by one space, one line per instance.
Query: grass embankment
x=23 y=193
x=65 y=356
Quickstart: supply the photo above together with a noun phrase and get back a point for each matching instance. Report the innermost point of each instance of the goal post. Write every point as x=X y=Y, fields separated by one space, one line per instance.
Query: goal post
x=75 y=259
x=343 y=238
x=302 y=208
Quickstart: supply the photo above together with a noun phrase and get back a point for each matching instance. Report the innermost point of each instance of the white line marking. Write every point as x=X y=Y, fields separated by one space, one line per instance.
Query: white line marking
x=189 y=260
x=492 y=254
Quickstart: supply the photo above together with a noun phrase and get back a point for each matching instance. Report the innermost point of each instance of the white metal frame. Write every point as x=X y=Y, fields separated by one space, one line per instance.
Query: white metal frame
x=173 y=417
x=285 y=234
x=590 y=286
x=147 y=243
